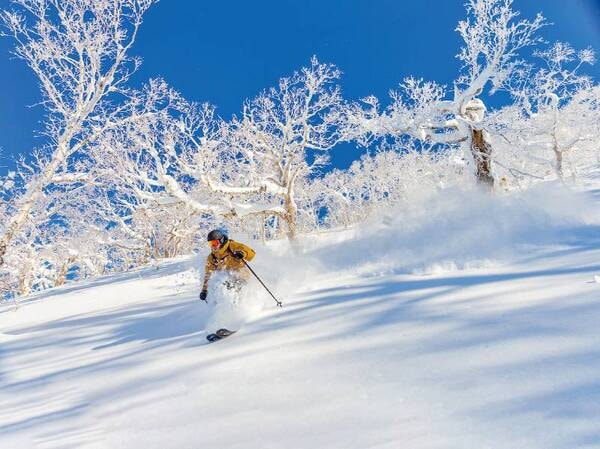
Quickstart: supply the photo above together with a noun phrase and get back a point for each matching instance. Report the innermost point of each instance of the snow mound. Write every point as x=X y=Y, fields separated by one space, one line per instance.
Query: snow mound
x=455 y=230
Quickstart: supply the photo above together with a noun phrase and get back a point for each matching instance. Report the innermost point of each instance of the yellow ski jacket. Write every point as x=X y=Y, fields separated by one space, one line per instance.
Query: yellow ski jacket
x=223 y=259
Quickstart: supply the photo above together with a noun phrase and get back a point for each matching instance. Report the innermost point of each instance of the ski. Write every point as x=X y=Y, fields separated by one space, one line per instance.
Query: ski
x=219 y=335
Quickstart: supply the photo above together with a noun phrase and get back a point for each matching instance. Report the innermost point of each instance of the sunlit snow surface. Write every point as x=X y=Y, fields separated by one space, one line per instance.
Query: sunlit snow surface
x=460 y=322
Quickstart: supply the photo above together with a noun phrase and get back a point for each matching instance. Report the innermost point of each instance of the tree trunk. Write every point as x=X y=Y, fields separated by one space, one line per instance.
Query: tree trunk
x=290 y=217
x=558 y=154
x=61 y=277
x=262 y=222
x=559 y=164
x=482 y=154
x=25 y=278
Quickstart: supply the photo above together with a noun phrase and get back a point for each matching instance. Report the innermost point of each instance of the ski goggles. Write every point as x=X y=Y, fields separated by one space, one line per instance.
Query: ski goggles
x=214 y=243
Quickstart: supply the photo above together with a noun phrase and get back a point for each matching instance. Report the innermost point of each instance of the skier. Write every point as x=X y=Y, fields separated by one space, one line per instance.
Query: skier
x=226 y=254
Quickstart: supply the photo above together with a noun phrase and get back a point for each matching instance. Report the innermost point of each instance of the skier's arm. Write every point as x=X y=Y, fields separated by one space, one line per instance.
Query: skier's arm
x=248 y=252
x=208 y=269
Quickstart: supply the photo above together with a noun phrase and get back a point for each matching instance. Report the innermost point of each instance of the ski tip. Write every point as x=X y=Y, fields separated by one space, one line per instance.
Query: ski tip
x=224 y=333
x=219 y=335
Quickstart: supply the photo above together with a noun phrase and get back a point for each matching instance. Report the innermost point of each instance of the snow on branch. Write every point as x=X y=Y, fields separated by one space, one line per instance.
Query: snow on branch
x=492 y=38
x=78 y=50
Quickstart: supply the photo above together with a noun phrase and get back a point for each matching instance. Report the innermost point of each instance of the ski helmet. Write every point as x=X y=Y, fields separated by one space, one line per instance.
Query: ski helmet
x=217 y=234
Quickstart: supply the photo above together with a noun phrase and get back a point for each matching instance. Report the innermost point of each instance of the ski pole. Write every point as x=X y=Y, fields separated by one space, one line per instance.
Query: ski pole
x=279 y=304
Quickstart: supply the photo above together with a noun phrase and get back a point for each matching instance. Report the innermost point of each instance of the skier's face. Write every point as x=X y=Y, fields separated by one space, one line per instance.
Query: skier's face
x=214 y=245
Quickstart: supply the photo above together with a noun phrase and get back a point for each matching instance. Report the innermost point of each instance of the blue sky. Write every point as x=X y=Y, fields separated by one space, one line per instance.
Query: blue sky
x=225 y=51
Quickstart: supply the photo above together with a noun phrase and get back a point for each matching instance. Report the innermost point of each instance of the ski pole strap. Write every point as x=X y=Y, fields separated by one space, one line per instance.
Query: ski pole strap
x=279 y=304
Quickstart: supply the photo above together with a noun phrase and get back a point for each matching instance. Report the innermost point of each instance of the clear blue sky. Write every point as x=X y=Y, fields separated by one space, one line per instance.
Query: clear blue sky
x=225 y=51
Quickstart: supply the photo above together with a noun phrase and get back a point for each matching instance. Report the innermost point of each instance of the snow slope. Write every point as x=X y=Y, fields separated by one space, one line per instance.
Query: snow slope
x=459 y=323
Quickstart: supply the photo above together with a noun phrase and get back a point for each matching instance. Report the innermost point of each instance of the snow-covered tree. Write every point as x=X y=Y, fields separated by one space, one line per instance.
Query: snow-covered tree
x=246 y=170
x=555 y=119
x=284 y=135
x=128 y=176
x=493 y=37
x=78 y=50
x=392 y=176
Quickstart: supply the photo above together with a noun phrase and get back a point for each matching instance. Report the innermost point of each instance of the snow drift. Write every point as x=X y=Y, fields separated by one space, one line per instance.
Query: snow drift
x=453 y=230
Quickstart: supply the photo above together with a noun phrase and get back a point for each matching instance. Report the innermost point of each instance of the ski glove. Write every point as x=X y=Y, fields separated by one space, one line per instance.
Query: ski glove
x=203 y=295
x=238 y=255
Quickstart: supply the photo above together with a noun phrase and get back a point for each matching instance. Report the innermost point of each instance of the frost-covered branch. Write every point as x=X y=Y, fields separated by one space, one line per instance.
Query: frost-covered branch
x=493 y=36
x=78 y=50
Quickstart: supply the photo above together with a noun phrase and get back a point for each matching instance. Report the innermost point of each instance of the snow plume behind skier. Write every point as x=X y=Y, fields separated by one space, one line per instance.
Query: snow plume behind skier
x=226 y=280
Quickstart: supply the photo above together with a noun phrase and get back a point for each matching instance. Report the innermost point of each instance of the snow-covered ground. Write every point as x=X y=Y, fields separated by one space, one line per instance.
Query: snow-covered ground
x=460 y=323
